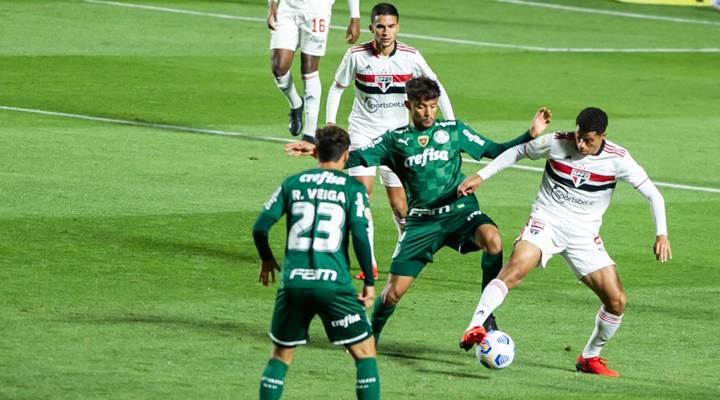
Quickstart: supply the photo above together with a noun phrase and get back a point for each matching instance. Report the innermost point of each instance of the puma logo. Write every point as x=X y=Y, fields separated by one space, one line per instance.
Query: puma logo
x=404 y=141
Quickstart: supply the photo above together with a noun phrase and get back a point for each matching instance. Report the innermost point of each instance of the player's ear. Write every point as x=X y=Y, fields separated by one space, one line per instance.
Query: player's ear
x=314 y=152
x=345 y=156
x=408 y=105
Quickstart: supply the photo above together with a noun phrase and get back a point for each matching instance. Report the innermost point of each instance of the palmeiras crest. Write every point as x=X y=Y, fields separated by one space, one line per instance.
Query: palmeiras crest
x=423 y=140
x=383 y=81
x=579 y=177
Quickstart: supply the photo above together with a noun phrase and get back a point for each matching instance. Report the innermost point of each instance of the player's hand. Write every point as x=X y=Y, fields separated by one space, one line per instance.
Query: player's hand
x=301 y=148
x=267 y=270
x=367 y=297
x=353 y=31
x=542 y=119
x=662 y=250
x=272 y=15
x=469 y=185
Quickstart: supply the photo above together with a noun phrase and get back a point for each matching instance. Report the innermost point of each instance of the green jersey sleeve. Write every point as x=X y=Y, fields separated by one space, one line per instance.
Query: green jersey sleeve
x=359 y=221
x=479 y=146
x=271 y=212
x=374 y=154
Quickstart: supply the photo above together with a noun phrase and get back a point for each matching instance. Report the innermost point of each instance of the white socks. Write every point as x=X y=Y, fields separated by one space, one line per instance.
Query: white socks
x=313 y=92
x=371 y=238
x=285 y=84
x=606 y=325
x=491 y=298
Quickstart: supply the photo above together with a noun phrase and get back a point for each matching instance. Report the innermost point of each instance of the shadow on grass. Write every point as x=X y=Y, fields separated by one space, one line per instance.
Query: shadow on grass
x=223 y=327
x=175 y=248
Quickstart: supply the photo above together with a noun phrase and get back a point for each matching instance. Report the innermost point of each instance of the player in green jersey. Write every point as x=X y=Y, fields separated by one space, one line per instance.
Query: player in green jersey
x=426 y=155
x=323 y=206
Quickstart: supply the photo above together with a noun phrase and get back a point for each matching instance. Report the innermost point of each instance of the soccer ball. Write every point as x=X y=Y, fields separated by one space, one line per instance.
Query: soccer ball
x=496 y=351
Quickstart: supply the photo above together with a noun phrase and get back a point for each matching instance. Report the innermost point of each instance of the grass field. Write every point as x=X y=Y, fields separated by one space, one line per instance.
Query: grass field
x=127 y=269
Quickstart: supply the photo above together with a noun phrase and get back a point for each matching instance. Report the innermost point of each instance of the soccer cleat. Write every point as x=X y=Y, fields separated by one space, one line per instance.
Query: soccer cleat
x=296 y=123
x=594 y=365
x=361 y=275
x=490 y=324
x=472 y=337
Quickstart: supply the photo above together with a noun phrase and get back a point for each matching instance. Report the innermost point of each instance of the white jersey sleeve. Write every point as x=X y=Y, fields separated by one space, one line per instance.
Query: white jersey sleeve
x=539 y=147
x=630 y=171
x=345 y=73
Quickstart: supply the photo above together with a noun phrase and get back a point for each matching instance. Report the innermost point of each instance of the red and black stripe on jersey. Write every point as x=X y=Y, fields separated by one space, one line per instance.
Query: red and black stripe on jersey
x=594 y=183
x=369 y=83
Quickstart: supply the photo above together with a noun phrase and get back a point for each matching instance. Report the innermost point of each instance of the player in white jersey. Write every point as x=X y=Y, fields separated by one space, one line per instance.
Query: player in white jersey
x=304 y=25
x=581 y=172
x=379 y=70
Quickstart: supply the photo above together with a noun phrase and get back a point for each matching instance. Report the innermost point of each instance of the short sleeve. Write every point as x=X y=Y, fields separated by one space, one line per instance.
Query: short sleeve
x=539 y=147
x=344 y=75
x=376 y=153
x=630 y=171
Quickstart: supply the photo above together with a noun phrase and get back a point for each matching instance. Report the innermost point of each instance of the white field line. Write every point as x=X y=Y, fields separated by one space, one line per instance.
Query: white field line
x=610 y=12
x=428 y=37
x=272 y=139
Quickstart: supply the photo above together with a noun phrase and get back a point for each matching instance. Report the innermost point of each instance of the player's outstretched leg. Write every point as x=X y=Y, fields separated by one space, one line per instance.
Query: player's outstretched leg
x=385 y=305
x=491 y=265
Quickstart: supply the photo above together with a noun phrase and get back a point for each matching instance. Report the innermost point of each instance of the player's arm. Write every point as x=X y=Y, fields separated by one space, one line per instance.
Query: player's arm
x=272 y=14
x=631 y=172
x=375 y=154
x=538 y=125
x=353 y=30
x=423 y=69
x=533 y=149
x=343 y=78
x=359 y=214
x=273 y=209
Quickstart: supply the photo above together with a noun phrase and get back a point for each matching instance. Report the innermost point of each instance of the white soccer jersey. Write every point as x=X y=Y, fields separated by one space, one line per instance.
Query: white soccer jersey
x=576 y=189
x=379 y=103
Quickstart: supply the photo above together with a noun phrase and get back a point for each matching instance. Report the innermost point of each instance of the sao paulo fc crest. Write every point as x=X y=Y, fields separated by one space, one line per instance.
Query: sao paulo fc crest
x=383 y=82
x=579 y=177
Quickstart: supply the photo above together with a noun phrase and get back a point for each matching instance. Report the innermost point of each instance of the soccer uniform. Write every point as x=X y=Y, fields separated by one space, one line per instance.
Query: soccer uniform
x=574 y=193
x=379 y=103
x=428 y=163
x=322 y=206
x=305 y=24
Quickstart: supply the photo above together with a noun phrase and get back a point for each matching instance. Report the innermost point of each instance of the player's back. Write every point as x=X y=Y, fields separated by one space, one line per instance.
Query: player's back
x=319 y=206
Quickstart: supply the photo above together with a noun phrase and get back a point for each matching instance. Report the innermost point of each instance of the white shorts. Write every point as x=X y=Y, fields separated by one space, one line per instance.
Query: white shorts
x=387 y=176
x=305 y=30
x=583 y=251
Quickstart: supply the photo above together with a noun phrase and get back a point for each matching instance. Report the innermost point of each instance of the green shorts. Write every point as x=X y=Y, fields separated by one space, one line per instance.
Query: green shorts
x=343 y=316
x=424 y=235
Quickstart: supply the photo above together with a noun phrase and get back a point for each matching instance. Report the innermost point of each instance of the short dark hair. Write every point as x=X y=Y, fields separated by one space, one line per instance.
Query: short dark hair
x=592 y=119
x=383 y=9
x=331 y=142
x=422 y=89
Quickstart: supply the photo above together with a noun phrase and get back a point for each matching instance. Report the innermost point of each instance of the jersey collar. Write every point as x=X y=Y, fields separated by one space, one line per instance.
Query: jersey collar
x=600 y=150
x=376 y=53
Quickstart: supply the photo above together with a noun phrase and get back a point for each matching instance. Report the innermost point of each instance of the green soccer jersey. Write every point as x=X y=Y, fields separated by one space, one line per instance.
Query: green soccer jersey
x=428 y=162
x=322 y=208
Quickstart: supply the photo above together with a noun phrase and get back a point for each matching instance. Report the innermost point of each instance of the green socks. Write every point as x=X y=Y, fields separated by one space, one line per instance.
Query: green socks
x=491 y=266
x=273 y=380
x=368 y=380
x=380 y=315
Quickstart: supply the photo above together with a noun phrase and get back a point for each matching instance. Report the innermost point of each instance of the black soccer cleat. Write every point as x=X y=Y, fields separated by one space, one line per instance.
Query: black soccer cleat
x=295 y=125
x=490 y=324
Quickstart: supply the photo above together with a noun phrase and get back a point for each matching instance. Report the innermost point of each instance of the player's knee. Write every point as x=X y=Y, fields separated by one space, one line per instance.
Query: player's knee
x=617 y=304
x=279 y=69
x=493 y=244
x=391 y=296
